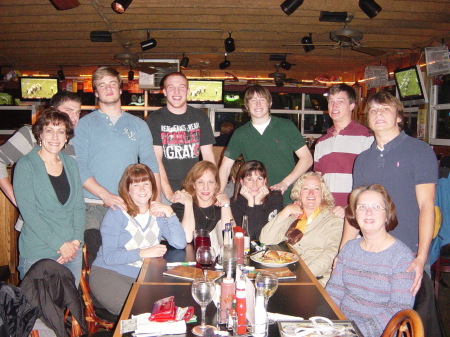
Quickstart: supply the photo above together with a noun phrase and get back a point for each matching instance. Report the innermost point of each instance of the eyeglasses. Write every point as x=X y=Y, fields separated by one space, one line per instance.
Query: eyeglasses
x=375 y=208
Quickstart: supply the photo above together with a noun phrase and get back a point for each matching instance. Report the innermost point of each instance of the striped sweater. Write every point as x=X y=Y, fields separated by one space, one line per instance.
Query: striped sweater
x=370 y=287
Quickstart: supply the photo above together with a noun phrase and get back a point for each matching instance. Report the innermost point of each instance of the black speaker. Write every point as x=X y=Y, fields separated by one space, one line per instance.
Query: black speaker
x=101 y=36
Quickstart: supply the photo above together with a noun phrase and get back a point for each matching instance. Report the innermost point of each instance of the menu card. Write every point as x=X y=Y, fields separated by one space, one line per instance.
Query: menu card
x=191 y=273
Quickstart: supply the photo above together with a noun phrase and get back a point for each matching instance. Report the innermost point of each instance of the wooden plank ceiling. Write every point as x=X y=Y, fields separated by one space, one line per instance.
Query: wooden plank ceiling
x=36 y=37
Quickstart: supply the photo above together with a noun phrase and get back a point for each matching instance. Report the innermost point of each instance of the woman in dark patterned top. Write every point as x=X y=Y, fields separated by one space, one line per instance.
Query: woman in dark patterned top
x=199 y=205
x=253 y=198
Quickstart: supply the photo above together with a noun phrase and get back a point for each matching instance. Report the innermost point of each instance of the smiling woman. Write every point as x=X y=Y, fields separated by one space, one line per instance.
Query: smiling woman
x=48 y=191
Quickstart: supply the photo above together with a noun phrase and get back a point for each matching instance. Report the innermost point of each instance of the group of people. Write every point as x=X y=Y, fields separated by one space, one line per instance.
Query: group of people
x=143 y=181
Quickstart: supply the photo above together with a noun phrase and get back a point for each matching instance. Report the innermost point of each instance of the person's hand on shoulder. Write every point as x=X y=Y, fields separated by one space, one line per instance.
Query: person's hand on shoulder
x=339 y=212
x=113 y=201
x=281 y=186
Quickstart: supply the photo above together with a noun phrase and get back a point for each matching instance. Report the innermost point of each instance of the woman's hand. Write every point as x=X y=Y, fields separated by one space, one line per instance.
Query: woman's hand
x=245 y=192
x=68 y=251
x=155 y=251
x=291 y=210
x=262 y=193
x=182 y=197
x=159 y=209
x=222 y=199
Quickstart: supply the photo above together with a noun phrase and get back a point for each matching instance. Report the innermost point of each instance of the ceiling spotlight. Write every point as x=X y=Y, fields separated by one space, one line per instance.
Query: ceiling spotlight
x=370 y=8
x=290 y=6
x=229 y=43
x=149 y=43
x=285 y=65
x=120 y=6
x=225 y=64
x=130 y=75
x=61 y=74
x=308 y=43
x=184 y=62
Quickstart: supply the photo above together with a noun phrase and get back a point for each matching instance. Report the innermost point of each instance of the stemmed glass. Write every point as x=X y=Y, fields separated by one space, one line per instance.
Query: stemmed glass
x=270 y=281
x=205 y=257
x=203 y=291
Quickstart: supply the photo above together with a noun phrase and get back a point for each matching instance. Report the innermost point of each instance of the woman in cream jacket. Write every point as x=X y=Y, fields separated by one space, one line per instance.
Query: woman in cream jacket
x=309 y=225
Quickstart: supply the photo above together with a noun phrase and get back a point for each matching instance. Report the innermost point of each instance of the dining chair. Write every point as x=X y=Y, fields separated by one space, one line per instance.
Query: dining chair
x=442 y=265
x=75 y=330
x=94 y=322
x=405 y=323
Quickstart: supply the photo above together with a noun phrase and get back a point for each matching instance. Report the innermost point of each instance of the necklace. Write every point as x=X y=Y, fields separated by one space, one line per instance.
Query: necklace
x=207 y=217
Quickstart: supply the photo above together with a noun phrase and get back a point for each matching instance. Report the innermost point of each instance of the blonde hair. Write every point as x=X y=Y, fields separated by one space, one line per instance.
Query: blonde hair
x=327 y=197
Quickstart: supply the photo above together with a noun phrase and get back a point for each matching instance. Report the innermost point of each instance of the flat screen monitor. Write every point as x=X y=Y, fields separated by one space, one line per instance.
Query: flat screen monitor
x=205 y=93
x=38 y=88
x=410 y=86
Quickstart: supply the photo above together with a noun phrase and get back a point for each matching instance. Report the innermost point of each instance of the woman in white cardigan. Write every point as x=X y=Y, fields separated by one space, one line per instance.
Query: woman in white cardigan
x=309 y=225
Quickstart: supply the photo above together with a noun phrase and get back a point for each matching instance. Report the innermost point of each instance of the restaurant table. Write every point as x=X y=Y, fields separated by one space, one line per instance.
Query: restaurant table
x=302 y=297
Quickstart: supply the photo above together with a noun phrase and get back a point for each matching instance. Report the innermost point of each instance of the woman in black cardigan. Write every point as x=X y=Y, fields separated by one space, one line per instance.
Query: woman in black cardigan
x=253 y=198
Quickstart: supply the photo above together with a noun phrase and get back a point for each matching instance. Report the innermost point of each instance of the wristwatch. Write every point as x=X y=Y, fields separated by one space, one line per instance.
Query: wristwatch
x=171 y=215
x=226 y=205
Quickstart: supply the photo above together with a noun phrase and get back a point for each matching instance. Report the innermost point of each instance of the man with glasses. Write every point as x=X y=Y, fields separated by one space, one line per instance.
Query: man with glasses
x=407 y=168
x=270 y=140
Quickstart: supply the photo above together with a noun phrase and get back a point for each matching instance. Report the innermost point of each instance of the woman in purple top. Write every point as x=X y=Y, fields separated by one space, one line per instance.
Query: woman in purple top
x=370 y=283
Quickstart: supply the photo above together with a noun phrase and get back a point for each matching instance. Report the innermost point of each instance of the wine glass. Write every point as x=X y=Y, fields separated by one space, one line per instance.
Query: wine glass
x=205 y=257
x=270 y=281
x=203 y=291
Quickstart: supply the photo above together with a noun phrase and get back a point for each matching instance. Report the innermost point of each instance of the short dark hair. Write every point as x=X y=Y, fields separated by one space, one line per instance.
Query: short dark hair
x=105 y=71
x=175 y=73
x=385 y=97
x=63 y=97
x=136 y=173
x=342 y=87
x=259 y=90
x=391 y=216
x=51 y=116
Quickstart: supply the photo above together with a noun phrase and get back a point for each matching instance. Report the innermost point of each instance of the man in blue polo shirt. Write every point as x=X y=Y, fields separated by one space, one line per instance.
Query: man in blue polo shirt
x=407 y=168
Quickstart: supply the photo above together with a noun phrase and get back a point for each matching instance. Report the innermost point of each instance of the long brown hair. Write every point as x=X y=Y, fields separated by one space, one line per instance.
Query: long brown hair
x=246 y=170
x=195 y=173
x=136 y=173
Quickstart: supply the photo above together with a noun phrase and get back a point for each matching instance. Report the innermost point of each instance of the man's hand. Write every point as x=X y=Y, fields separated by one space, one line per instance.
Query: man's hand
x=112 y=200
x=417 y=266
x=281 y=186
x=339 y=212
x=155 y=251
x=182 y=197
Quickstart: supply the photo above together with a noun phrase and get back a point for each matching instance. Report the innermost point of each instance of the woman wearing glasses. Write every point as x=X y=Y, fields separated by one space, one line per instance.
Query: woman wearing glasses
x=370 y=283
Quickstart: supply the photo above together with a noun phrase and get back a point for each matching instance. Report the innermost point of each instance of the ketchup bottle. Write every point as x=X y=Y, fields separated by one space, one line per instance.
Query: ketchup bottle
x=239 y=243
x=226 y=297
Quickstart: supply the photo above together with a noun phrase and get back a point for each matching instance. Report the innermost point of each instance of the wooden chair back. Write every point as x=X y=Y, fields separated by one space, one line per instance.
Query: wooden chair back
x=405 y=323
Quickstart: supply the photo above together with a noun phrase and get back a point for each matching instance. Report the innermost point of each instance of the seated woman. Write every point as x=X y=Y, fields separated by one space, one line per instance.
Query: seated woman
x=198 y=204
x=253 y=198
x=309 y=225
x=49 y=194
x=370 y=283
x=129 y=237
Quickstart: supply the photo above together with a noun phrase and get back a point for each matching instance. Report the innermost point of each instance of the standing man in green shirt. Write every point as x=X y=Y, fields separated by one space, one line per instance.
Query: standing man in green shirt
x=271 y=140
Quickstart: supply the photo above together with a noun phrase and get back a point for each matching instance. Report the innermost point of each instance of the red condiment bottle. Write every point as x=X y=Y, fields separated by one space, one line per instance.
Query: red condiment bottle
x=241 y=308
x=239 y=243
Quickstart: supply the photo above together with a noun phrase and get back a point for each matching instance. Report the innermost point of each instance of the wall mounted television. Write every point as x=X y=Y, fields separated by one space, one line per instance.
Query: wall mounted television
x=36 y=88
x=411 y=86
x=206 y=93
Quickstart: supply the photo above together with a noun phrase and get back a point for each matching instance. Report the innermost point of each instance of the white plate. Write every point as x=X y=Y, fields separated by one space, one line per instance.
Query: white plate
x=257 y=258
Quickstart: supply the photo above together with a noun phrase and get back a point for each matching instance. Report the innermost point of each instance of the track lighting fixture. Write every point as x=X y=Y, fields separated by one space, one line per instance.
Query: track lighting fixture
x=101 y=36
x=131 y=75
x=308 y=43
x=120 y=6
x=61 y=74
x=229 y=44
x=285 y=65
x=225 y=64
x=149 y=43
x=290 y=6
x=184 y=62
x=370 y=8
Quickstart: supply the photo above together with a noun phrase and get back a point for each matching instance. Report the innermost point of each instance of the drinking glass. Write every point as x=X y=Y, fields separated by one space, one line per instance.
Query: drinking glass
x=201 y=238
x=205 y=257
x=203 y=291
x=270 y=281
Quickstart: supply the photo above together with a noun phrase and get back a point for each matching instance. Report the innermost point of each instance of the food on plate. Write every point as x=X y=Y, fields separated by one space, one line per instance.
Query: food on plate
x=273 y=256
